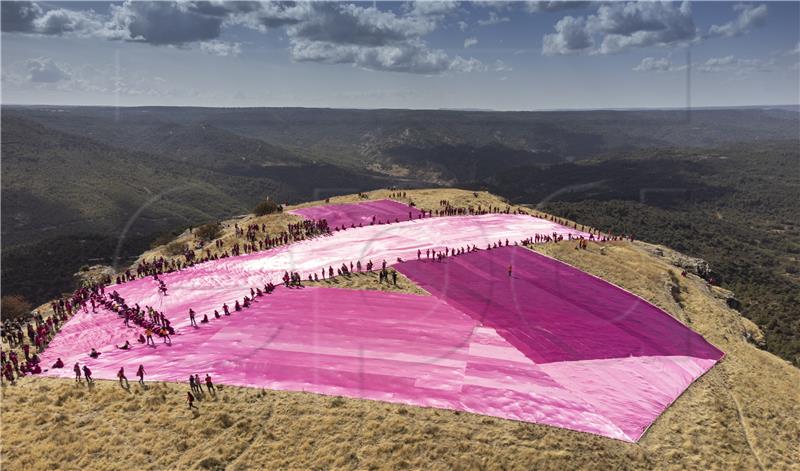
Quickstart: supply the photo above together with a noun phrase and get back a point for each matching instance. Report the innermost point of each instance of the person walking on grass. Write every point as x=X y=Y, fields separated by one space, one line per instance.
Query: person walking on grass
x=122 y=377
x=140 y=374
x=88 y=374
x=190 y=400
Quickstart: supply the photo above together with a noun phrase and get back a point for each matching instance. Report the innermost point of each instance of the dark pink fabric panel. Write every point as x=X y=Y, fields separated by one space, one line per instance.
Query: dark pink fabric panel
x=553 y=312
x=345 y=215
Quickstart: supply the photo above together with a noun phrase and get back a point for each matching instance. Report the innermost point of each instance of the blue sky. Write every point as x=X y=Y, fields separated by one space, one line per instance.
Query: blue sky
x=491 y=55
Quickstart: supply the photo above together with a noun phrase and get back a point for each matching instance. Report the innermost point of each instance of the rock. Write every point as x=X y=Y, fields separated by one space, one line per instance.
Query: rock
x=698 y=266
x=753 y=334
x=726 y=295
x=93 y=274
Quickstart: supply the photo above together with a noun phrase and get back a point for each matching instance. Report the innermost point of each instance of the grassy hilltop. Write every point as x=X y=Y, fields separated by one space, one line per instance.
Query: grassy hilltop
x=743 y=414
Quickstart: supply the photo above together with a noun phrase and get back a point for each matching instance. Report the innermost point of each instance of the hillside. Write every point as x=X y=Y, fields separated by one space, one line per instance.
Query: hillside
x=718 y=184
x=82 y=202
x=742 y=414
x=402 y=142
x=56 y=183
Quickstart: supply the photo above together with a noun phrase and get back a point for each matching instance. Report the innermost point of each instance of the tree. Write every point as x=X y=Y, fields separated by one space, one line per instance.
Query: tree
x=175 y=248
x=208 y=232
x=267 y=207
x=15 y=307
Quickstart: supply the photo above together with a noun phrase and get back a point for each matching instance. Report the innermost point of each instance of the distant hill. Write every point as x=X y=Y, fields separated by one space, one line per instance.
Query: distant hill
x=57 y=183
x=384 y=140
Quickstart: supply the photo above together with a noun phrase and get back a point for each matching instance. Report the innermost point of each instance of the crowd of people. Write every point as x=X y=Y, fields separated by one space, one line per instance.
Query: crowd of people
x=37 y=332
x=28 y=339
x=256 y=237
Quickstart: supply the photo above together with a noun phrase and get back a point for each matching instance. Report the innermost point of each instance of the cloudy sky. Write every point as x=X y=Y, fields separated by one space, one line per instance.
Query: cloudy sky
x=492 y=55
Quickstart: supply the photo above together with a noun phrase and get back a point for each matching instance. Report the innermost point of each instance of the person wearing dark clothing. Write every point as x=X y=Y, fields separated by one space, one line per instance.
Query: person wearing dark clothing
x=88 y=374
x=190 y=400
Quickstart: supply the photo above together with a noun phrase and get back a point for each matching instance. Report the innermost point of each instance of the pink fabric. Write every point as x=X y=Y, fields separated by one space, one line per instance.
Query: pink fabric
x=345 y=215
x=206 y=286
x=421 y=350
x=553 y=312
x=363 y=344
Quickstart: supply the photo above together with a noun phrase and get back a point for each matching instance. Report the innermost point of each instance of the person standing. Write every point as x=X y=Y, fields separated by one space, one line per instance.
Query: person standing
x=88 y=374
x=121 y=376
x=140 y=374
x=190 y=400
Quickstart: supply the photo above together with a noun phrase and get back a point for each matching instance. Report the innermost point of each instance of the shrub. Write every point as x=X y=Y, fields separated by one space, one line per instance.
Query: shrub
x=164 y=239
x=267 y=207
x=15 y=307
x=208 y=232
x=175 y=248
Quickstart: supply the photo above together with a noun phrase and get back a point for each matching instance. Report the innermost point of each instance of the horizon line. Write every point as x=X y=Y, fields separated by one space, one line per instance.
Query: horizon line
x=461 y=109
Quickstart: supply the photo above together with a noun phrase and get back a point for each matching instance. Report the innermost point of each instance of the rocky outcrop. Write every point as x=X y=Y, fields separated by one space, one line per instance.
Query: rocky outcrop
x=93 y=274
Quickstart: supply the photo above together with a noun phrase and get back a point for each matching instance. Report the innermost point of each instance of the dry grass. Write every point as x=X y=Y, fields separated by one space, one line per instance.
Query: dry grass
x=276 y=223
x=743 y=414
x=370 y=281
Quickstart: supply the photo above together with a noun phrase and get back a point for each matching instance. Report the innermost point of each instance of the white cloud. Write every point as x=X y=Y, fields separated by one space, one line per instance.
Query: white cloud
x=620 y=26
x=500 y=66
x=434 y=8
x=462 y=25
x=340 y=23
x=372 y=39
x=651 y=64
x=734 y=65
x=408 y=56
x=749 y=16
x=570 y=37
x=470 y=42
x=551 y=6
x=221 y=48
x=630 y=25
x=327 y=32
x=45 y=70
x=459 y=64
x=61 y=21
x=493 y=19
